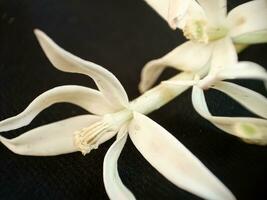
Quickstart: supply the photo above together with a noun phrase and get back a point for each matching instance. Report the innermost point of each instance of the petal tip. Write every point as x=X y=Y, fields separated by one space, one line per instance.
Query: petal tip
x=7 y=143
x=141 y=87
x=38 y=33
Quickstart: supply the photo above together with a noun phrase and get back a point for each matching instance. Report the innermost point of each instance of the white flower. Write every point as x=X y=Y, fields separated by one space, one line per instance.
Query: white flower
x=252 y=130
x=112 y=115
x=212 y=34
x=211 y=54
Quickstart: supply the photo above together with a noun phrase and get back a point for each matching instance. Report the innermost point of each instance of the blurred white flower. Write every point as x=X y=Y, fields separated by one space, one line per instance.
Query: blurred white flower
x=212 y=34
x=112 y=115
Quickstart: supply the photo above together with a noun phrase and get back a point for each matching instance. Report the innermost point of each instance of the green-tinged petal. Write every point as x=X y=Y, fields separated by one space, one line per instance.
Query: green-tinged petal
x=91 y=100
x=107 y=83
x=113 y=184
x=248 y=18
x=251 y=38
x=49 y=140
x=190 y=56
x=174 y=161
x=251 y=129
x=215 y=10
x=250 y=99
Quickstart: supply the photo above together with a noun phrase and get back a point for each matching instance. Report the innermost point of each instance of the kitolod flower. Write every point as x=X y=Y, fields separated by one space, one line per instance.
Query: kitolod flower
x=111 y=115
x=214 y=36
x=250 y=129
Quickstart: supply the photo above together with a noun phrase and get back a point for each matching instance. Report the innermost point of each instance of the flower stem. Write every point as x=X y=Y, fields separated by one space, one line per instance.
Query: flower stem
x=160 y=95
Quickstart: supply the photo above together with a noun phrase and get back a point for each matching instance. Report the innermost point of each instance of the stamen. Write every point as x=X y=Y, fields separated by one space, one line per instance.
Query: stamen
x=89 y=138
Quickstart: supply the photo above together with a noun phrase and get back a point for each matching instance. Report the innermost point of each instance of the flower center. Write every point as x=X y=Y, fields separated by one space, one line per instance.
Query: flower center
x=91 y=137
x=199 y=31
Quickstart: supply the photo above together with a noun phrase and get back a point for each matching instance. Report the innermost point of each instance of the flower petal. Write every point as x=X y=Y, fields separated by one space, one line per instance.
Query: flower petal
x=243 y=70
x=192 y=14
x=224 y=54
x=255 y=37
x=177 y=12
x=215 y=10
x=160 y=6
x=89 y=99
x=248 y=18
x=253 y=130
x=179 y=58
x=250 y=99
x=173 y=11
x=113 y=184
x=174 y=161
x=49 y=140
x=107 y=83
x=180 y=82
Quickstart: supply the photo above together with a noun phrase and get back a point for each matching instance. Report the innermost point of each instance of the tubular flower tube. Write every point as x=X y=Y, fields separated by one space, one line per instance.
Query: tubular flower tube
x=112 y=115
x=213 y=35
x=252 y=130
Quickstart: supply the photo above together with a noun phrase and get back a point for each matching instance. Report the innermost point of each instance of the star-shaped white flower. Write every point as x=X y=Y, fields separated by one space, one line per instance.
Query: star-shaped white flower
x=211 y=54
x=252 y=130
x=212 y=34
x=112 y=114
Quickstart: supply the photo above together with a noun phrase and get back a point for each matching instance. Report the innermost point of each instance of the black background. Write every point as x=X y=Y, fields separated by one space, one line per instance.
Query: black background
x=121 y=36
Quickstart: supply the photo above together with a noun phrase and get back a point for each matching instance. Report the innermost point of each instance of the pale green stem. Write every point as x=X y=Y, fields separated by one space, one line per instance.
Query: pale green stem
x=158 y=96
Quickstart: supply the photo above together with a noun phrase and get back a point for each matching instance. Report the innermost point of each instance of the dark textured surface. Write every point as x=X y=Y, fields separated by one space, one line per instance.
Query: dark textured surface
x=121 y=36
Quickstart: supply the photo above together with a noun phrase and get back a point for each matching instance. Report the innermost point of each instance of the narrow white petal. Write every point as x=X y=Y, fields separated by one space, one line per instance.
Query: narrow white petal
x=89 y=99
x=255 y=37
x=113 y=184
x=49 y=140
x=180 y=83
x=250 y=99
x=107 y=83
x=174 y=161
x=248 y=18
x=253 y=130
x=224 y=54
x=243 y=70
x=215 y=10
x=190 y=56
